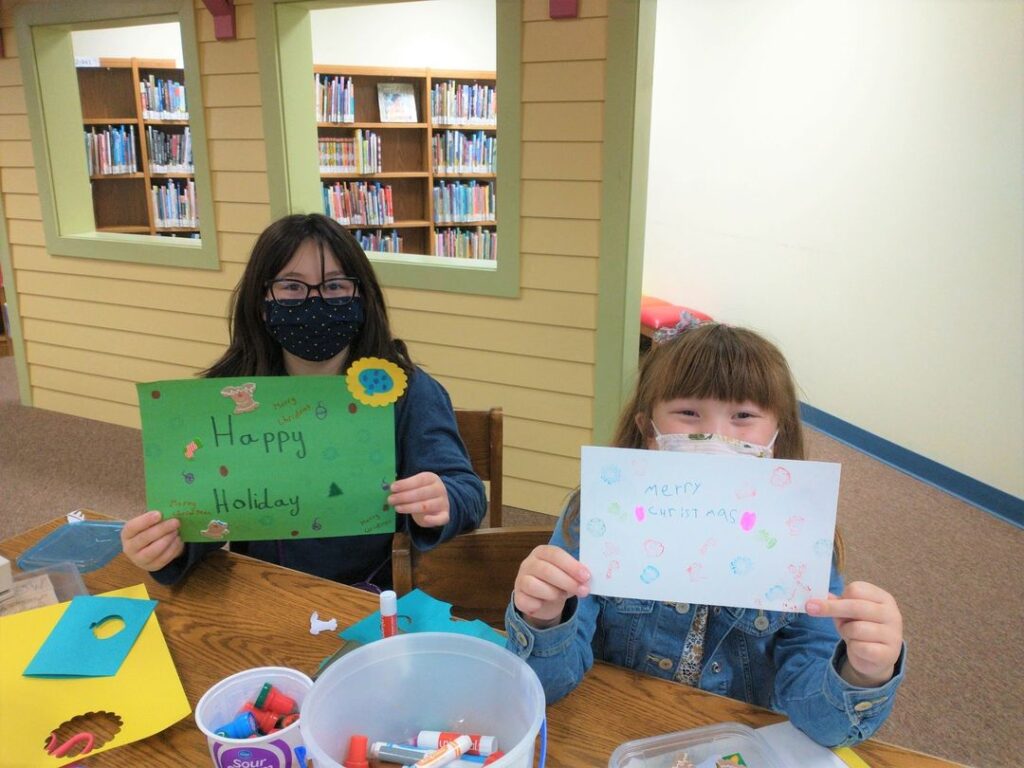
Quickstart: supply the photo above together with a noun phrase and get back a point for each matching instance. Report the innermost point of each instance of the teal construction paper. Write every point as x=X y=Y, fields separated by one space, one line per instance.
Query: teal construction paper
x=419 y=612
x=74 y=650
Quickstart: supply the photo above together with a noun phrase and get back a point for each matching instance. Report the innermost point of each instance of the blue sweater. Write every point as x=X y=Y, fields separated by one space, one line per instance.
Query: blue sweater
x=426 y=440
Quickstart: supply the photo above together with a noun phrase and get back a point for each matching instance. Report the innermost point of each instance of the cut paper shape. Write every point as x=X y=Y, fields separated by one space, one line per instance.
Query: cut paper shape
x=375 y=382
x=242 y=394
x=335 y=490
x=66 y=739
x=73 y=649
x=265 y=474
x=419 y=612
x=688 y=502
x=146 y=692
x=215 y=529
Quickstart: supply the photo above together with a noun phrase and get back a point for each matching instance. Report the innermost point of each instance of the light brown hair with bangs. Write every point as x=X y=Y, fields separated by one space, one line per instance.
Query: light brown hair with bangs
x=718 y=362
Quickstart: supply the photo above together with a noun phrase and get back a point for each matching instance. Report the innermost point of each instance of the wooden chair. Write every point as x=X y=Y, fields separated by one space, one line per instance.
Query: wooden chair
x=475 y=572
x=481 y=431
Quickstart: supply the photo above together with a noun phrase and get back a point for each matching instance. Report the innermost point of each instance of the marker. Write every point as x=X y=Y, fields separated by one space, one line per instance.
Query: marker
x=446 y=754
x=481 y=745
x=388 y=613
x=397 y=753
x=273 y=700
x=242 y=727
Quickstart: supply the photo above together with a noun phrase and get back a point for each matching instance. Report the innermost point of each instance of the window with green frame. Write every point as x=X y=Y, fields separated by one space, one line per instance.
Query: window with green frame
x=284 y=39
x=45 y=42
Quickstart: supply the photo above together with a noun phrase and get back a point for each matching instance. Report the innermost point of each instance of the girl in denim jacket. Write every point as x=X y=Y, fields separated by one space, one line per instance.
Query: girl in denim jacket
x=833 y=670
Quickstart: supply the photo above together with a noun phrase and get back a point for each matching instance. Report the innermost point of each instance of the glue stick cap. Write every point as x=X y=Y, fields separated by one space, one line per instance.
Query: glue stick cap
x=356 y=756
x=388 y=603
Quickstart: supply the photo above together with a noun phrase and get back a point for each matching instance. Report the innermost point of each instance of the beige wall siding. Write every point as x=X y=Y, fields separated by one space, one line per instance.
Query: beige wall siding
x=93 y=328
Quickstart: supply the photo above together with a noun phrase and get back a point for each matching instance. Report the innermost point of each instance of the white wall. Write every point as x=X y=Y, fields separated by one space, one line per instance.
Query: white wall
x=144 y=41
x=846 y=176
x=406 y=35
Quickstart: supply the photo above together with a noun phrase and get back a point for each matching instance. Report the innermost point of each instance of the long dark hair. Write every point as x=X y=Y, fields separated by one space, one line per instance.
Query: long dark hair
x=253 y=351
x=719 y=362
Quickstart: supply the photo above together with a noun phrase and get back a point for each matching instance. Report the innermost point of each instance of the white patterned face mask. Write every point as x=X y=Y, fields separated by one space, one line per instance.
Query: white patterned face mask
x=705 y=442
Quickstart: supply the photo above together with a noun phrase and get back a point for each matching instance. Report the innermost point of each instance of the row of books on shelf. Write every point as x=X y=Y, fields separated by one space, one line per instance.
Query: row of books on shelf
x=463 y=202
x=169 y=152
x=476 y=243
x=458 y=152
x=111 y=150
x=463 y=103
x=335 y=99
x=360 y=153
x=376 y=240
x=174 y=204
x=357 y=202
x=163 y=99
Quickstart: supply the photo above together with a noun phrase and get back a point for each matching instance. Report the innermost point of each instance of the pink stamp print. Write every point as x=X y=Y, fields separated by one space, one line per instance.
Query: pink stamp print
x=748 y=520
x=781 y=477
x=654 y=548
x=794 y=523
x=639 y=512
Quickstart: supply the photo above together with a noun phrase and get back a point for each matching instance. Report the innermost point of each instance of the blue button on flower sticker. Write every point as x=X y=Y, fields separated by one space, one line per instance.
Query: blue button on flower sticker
x=375 y=382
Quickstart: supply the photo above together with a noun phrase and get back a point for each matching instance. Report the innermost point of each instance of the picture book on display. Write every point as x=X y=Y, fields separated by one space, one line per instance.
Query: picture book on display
x=397 y=102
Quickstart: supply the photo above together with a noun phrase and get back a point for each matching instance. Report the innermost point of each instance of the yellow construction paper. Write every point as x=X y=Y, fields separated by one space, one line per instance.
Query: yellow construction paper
x=146 y=692
x=850 y=757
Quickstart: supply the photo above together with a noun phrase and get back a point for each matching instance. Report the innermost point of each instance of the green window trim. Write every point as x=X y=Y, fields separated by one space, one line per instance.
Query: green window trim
x=55 y=122
x=284 y=40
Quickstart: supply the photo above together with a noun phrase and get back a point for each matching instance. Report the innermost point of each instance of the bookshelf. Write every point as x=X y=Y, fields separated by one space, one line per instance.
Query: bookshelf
x=420 y=187
x=138 y=147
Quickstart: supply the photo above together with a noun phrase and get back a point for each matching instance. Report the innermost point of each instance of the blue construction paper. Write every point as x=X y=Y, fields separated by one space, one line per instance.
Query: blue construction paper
x=419 y=612
x=73 y=649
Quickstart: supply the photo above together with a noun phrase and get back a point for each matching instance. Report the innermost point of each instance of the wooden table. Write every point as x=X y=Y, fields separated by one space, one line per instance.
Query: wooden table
x=234 y=613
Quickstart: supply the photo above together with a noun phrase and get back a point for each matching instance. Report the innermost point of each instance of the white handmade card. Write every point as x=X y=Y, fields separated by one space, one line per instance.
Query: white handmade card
x=716 y=530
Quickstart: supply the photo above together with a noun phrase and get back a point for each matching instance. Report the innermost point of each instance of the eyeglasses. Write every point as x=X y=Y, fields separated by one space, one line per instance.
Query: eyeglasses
x=337 y=291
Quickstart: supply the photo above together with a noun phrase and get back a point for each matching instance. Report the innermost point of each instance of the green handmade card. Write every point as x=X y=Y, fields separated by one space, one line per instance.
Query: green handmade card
x=273 y=457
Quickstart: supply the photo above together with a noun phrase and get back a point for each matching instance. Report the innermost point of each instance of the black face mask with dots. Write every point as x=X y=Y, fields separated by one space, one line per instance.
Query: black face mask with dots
x=314 y=330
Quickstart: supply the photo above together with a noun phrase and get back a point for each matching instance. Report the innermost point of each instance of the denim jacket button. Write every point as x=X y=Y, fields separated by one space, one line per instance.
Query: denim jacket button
x=862 y=706
x=761 y=623
x=521 y=638
x=716 y=610
x=716 y=667
x=682 y=607
x=666 y=664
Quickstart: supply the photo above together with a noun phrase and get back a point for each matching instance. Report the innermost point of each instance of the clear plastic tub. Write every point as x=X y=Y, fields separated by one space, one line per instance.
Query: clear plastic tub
x=698 y=745
x=391 y=689
x=56 y=583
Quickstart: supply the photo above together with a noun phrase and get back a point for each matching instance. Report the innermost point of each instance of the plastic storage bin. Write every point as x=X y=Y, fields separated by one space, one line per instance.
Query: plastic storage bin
x=390 y=689
x=698 y=745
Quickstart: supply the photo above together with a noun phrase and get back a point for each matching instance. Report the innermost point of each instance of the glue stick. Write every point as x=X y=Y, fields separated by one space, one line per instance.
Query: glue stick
x=479 y=745
x=388 y=613
x=446 y=754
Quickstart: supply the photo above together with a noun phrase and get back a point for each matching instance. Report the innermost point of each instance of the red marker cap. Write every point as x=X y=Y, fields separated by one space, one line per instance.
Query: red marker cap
x=265 y=721
x=272 y=700
x=356 y=757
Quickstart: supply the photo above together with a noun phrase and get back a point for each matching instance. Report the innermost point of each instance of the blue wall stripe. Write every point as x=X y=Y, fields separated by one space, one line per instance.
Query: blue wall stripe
x=992 y=500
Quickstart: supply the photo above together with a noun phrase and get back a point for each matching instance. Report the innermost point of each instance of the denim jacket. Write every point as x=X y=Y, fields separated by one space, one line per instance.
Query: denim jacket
x=788 y=662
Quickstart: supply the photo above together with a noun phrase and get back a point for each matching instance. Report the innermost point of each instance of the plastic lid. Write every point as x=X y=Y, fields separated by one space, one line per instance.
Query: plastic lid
x=90 y=544
x=388 y=603
x=718 y=741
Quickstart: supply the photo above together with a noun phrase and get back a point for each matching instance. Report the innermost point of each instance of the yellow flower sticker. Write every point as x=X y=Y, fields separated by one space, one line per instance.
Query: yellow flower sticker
x=376 y=382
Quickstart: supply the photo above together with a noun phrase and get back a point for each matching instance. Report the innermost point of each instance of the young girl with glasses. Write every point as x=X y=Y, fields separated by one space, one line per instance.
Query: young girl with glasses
x=310 y=304
x=833 y=670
